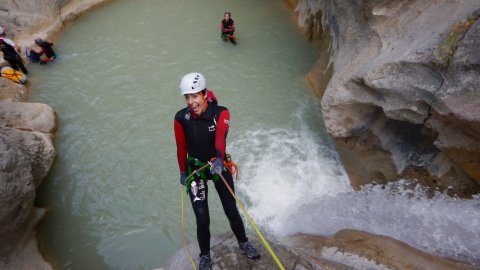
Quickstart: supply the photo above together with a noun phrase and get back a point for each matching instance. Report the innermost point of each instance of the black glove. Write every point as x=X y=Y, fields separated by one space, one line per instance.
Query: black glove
x=217 y=166
x=183 y=178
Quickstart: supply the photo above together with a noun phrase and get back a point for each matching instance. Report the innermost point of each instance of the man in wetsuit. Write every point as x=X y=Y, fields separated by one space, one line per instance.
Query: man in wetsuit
x=10 y=54
x=227 y=26
x=200 y=133
x=45 y=48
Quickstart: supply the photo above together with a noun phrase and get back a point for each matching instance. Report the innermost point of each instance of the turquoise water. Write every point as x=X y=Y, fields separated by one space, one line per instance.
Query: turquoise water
x=113 y=192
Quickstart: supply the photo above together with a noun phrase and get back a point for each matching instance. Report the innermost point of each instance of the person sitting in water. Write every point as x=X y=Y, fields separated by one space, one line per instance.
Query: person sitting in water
x=45 y=49
x=227 y=26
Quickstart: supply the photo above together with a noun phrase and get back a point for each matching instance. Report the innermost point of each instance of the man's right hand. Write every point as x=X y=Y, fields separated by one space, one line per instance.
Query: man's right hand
x=183 y=178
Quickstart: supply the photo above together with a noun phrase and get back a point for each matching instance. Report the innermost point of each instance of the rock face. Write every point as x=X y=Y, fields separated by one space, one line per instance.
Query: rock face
x=347 y=249
x=399 y=86
x=403 y=98
x=27 y=131
x=26 y=155
x=26 y=20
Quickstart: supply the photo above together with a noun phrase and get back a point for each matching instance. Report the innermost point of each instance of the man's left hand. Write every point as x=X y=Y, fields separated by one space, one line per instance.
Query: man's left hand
x=217 y=166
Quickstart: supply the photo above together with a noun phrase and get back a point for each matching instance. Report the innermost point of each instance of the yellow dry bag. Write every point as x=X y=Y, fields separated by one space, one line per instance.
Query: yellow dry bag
x=14 y=75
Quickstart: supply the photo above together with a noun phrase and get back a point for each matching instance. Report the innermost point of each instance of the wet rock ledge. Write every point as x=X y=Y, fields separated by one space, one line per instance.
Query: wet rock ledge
x=346 y=250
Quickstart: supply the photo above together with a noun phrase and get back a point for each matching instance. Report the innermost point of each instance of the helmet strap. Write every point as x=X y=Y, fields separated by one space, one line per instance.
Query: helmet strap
x=205 y=101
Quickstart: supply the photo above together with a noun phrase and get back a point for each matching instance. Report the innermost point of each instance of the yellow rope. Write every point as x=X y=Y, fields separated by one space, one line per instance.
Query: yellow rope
x=250 y=220
x=185 y=243
x=265 y=243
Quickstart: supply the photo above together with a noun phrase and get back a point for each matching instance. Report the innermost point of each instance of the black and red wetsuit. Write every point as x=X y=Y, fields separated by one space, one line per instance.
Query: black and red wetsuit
x=46 y=48
x=202 y=138
x=7 y=47
x=227 y=27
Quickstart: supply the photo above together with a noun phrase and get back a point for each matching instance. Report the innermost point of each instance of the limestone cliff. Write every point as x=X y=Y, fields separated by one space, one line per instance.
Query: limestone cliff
x=27 y=131
x=399 y=88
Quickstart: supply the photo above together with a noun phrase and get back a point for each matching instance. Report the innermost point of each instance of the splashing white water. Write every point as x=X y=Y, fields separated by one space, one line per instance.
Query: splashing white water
x=293 y=183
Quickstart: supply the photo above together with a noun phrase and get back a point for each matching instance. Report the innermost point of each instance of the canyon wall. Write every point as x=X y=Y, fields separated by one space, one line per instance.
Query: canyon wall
x=398 y=82
x=27 y=131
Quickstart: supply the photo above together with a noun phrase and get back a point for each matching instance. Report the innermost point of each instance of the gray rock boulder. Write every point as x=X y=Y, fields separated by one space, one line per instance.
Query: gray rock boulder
x=11 y=91
x=25 y=158
x=28 y=116
x=347 y=249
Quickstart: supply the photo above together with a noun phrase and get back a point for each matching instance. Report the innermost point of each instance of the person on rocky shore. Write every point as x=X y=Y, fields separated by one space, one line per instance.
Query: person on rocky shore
x=10 y=52
x=200 y=133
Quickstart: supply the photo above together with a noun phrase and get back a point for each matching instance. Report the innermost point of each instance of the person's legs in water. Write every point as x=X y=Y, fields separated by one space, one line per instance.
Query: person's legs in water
x=32 y=55
x=46 y=60
x=198 y=197
x=231 y=211
x=224 y=37
x=232 y=39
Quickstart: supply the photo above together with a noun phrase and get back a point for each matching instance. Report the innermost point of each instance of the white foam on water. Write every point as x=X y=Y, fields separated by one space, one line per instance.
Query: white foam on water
x=292 y=182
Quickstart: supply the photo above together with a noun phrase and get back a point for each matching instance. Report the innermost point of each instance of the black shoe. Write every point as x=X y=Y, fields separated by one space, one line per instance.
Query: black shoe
x=249 y=250
x=205 y=262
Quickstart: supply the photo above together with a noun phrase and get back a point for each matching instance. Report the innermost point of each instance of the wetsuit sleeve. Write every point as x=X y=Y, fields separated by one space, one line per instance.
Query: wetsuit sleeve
x=232 y=29
x=222 y=28
x=181 y=146
x=223 y=124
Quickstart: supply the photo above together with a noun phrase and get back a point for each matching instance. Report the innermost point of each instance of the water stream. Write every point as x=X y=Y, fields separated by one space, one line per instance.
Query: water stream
x=113 y=192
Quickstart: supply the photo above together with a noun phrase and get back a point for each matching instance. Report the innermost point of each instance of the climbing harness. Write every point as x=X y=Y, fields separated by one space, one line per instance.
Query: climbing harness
x=185 y=242
x=240 y=204
x=199 y=172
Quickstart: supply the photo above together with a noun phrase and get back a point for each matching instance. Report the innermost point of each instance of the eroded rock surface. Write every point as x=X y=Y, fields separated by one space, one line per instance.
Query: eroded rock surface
x=403 y=99
x=347 y=249
x=27 y=130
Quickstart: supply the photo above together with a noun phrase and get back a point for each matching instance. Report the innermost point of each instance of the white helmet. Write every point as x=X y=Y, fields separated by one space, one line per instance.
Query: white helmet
x=1 y=30
x=192 y=83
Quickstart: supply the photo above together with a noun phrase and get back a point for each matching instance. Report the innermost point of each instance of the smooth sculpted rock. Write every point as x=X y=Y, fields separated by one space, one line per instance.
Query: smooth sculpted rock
x=25 y=158
x=457 y=108
x=27 y=130
x=403 y=99
x=346 y=250
x=362 y=250
x=12 y=92
x=28 y=116
x=26 y=155
x=226 y=255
